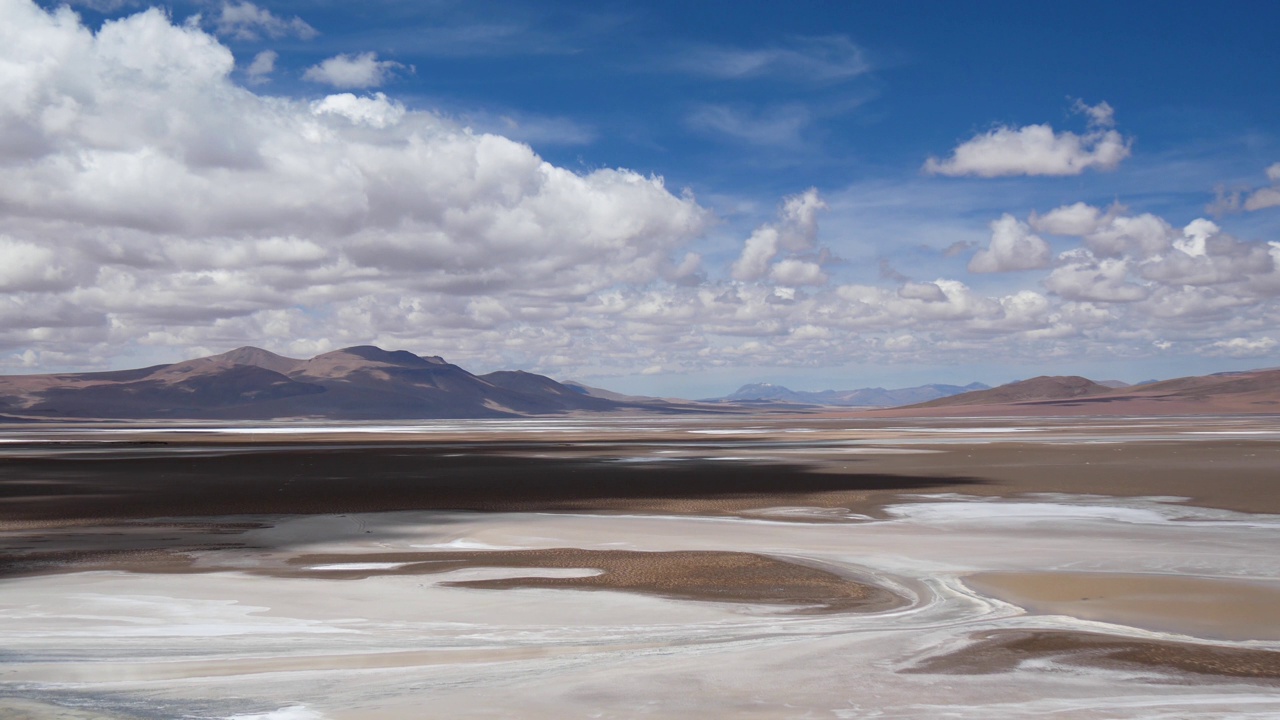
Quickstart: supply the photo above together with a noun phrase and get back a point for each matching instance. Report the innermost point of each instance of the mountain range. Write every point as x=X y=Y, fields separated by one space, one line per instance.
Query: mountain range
x=863 y=397
x=369 y=383
x=356 y=383
x=1249 y=392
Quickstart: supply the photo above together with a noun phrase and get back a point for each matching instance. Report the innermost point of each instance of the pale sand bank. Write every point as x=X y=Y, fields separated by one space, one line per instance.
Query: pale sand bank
x=1198 y=606
x=690 y=575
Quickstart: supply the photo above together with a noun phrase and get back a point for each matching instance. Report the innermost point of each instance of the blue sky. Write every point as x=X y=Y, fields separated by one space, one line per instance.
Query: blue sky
x=653 y=197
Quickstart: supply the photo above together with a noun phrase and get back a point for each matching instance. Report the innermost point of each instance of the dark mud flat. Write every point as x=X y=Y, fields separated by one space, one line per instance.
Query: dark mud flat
x=205 y=480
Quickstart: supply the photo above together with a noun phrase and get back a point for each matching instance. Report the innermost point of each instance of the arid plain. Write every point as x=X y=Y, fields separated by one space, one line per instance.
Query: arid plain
x=768 y=566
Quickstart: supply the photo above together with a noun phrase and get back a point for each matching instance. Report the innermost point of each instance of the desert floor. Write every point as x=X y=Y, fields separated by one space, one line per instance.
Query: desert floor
x=774 y=566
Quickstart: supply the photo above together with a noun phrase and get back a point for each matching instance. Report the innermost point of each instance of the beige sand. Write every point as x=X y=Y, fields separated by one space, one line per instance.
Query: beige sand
x=711 y=576
x=1204 y=607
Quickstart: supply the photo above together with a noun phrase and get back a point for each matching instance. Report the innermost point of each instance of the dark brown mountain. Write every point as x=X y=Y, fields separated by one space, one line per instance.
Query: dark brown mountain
x=356 y=383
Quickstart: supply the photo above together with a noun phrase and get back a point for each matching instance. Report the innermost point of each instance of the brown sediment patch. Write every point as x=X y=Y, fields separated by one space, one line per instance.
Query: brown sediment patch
x=123 y=559
x=688 y=575
x=1204 y=607
x=134 y=546
x=1004 y=650
x=698 y=575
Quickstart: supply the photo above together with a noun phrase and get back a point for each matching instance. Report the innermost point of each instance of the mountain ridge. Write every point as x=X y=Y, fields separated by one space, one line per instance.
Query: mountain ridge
x=1041 y=388
x=248 y=383
x=861 y=397
x=365 y=382
x=1239 y=392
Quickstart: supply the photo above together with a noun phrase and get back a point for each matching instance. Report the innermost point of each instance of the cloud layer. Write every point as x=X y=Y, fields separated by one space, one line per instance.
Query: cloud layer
x=163 y=203
x=151 y=207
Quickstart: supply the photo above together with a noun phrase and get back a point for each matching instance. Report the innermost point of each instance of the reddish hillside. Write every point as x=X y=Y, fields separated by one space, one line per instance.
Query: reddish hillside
x=1255 y=392
x=1044 y=387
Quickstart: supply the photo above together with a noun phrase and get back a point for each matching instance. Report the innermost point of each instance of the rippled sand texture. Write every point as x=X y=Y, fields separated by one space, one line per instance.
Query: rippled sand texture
x=985 y=599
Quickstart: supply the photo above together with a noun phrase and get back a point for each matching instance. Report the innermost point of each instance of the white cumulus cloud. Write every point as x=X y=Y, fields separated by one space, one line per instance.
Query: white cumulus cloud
x=1078 y=219
x=797 y=272
x=376 y=111
x=27 y=266
x=152 y=208
x=1013 y=247
x=1141 y=236
x=1038 y=150
x=929 y=292
x=1204 y=255
x=153 y=201
x=352 y=71
x=795 y=231
x=1081 y=276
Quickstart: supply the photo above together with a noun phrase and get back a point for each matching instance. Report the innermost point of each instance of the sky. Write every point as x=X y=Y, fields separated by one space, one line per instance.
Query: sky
x=657 y=198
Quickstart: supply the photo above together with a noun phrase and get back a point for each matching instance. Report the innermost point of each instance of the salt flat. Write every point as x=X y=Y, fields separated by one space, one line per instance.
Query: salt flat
x=1011 y=601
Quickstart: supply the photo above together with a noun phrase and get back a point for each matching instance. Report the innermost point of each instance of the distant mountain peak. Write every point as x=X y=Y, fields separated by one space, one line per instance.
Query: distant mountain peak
x=249 y=351
x=257 y=357
x=755 y=392
x=373 y=353
x=862 y=397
